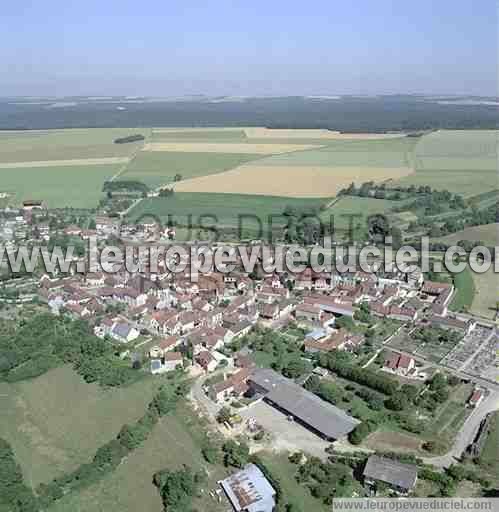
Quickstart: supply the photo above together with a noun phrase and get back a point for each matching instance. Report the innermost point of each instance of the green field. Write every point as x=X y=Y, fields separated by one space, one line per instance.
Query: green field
x=488 y=234
x=57 y=421
x=449 y=417
x=293 y=493
x=464 y=162
x=155 y=168
x=362 y=207
x=77 y=186
x=489 y=458
x=173 y=443
x=36 y=145
x=394 y=152
x=225 y=207
x=487 y=294
x=465 y=291
x=205 y=135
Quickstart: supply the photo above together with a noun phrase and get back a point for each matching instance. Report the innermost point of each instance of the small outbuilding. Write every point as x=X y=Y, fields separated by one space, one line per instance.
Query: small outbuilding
x=398 y=476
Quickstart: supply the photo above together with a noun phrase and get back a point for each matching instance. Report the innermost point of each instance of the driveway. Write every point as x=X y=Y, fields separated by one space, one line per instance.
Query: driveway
x=198 y=395
x=285 y=435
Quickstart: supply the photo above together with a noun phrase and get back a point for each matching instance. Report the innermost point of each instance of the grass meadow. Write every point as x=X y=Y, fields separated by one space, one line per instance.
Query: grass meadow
x=175 y=441
x=489 y=458
x=486 y=296
x=465 y=291
x=199 y=135
x=56 y=421
x=155 y=168
x=464 y=162
x=225 y=208
x=77 y=186
x=488 y=234
x=294 y=493
x=362 y=207
x=39 y=145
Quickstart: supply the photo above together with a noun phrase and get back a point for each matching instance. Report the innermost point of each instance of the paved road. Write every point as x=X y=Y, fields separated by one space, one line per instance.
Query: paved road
x=198 y=395
x=467 y=433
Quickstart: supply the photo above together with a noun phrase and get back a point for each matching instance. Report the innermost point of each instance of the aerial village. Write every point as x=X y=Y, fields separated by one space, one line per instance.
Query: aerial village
x=263 y=348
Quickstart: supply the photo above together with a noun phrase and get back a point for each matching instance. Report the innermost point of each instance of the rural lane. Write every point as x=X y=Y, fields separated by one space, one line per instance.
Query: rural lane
x=467 y=433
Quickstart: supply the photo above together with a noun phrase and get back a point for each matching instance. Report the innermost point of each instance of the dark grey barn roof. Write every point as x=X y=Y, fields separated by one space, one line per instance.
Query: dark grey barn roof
x=327 y=419
x=391 y=471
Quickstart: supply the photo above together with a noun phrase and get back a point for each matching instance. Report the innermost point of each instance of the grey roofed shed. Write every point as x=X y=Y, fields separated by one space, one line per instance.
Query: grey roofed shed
x=122 y=329
x=326 y=419
x=391 y=472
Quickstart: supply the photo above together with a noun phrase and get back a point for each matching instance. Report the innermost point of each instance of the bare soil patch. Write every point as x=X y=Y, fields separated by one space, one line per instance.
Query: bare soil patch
x=393 y=441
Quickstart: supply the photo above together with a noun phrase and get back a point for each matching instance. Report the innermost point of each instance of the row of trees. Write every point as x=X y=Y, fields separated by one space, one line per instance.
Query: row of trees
x=129 y=138
x=342 y=364
x=109 y=456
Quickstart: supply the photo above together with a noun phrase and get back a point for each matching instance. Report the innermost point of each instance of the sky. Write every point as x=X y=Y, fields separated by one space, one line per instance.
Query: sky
x=248 y=48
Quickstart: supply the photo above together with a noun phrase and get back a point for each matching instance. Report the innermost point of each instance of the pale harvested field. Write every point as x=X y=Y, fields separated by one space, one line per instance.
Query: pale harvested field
x=206 y=147
x=289 y=181
x=65 y=163
x=198 y=129
x=260 y=133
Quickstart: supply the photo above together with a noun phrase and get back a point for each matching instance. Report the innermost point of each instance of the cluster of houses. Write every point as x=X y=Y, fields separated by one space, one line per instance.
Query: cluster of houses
x=217 y=308
x=32 y=222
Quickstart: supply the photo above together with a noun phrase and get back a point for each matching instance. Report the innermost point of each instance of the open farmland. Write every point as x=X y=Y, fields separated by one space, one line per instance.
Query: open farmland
x=260 y=132
x=77 y=186
x=313 y=172
x=155 y=168
x=66 y=163
x=226 y=147
x=488 y=234
x=225 y=207
x=198 y=134
x=292 y=181
x=464 y=162
x=173 y=443
x=70 y=144
x=57 y=421
x=362 y=207
x=486 y=294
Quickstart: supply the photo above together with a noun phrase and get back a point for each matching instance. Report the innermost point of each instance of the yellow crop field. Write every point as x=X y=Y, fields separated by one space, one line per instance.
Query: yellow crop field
x=227 y=147
x=289 y=181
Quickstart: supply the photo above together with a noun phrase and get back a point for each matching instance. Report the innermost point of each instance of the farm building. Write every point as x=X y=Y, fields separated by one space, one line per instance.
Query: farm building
x=249 y=491
x=325 y=420
x=400 y=477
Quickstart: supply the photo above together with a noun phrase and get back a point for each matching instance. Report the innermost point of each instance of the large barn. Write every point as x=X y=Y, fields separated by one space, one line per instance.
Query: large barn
x=322 y=418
